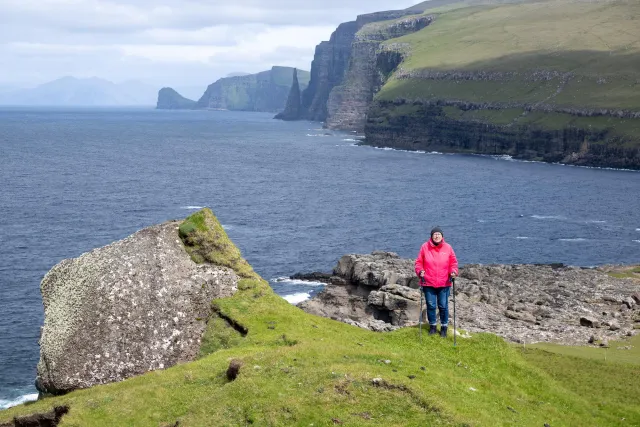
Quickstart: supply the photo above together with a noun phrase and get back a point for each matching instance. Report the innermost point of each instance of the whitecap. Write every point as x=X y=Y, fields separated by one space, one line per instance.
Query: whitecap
x=4 y=404
x=548 y=217
x=350 y=139
x=595 y=221
x=504 y=157
x=637 y=229
x=577 y=239
x=192 y=207
x=522 y=237
x=297 y=281
x=481 y=220
x=637 y=241
x=227 y=227
x=297 y=298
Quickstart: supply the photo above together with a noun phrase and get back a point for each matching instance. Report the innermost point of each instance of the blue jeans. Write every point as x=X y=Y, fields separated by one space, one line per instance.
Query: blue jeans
x=437 y=297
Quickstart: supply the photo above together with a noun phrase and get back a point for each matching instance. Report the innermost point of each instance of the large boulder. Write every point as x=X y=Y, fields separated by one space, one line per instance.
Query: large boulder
x=136 y=305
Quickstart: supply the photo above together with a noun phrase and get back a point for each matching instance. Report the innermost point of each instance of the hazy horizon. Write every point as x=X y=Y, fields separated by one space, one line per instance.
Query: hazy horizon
x=186 y=44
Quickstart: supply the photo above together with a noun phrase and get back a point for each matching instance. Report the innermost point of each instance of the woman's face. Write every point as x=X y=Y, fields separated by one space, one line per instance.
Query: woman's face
x=436 y=237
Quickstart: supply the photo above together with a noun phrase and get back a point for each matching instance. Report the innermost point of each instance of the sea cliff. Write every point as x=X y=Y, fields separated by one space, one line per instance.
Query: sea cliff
x=474 y=77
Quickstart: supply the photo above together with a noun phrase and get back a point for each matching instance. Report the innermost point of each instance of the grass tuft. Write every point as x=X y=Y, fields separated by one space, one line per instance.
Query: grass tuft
x=206 y=241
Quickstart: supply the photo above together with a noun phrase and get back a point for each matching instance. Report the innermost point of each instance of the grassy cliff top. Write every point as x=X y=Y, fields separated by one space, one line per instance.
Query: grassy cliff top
x=597 y=42
x=299 y=369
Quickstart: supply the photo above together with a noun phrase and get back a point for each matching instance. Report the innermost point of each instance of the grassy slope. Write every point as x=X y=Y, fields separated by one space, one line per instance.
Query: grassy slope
x=300 y=369
x=597 y=41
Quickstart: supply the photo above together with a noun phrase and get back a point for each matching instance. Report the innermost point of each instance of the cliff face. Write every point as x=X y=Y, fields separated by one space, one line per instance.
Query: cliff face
x=327 y=71
x=561 y=98
x=332 y=60
x=169 y=99
x=266 y=91
x=438 y=127
x=369 y=67
x=293 y=107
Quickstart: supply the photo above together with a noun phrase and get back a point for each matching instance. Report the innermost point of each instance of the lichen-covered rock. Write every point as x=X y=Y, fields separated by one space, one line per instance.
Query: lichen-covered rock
x=136 y=305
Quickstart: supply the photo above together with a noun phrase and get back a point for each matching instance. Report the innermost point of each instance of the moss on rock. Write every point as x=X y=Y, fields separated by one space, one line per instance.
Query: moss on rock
x=206 y=241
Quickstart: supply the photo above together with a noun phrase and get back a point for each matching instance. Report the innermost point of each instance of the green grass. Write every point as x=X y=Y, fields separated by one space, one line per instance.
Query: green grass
x=617 y=352
x=206 y=241
x=598 y=42
x=300 y=369
x=626 y=273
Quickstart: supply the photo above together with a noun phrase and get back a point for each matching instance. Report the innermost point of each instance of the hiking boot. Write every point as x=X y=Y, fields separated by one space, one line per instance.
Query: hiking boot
x=432 y=330
x=443 y=331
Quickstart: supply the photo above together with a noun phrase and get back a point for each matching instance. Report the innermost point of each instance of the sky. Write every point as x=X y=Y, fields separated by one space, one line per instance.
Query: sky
x=176 y=43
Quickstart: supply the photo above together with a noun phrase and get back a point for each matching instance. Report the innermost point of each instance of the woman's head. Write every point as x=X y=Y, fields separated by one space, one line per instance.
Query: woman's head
x=437 y=236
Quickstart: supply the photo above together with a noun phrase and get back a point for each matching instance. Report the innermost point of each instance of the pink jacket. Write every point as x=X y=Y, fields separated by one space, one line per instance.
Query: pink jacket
x=438 y=262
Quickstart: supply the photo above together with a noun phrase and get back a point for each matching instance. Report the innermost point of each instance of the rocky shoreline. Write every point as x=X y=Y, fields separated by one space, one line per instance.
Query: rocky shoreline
x=522 y=303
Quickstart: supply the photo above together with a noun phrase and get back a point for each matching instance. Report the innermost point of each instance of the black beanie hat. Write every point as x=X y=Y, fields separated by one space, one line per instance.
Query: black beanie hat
x=436 y=230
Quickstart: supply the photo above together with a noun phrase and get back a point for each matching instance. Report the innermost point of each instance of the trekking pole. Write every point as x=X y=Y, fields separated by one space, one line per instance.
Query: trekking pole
x=420 y=315
x=453 y=282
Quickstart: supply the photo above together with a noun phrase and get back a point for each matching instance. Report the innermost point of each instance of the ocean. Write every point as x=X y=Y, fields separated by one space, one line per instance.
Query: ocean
x=293 y=197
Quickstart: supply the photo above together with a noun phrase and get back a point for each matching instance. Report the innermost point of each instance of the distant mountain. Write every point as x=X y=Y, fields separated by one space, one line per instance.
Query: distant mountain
x=169 y=99
x=265 y=91
x=71 y=91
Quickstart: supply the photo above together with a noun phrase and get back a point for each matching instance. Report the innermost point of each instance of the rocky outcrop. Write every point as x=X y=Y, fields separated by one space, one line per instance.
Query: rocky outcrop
x=137 y=305
x=348 y=103
x=266 y=91
x=331 y=61
x=522 y=303
x=292 y=109
x=169 y=99
x=426 y=126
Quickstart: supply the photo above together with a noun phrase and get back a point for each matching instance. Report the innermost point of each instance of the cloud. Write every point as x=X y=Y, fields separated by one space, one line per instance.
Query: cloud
x=193 y=41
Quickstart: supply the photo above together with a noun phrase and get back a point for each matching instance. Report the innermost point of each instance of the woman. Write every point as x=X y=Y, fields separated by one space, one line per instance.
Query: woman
x=436 y=265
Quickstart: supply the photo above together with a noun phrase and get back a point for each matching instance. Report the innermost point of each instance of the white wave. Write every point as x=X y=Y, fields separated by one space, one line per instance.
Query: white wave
x=4 y=404
x=595 y=221
x=504 y=157
x=350 y=139
x=297 y=282
x=297 y=298
x=577 y=239
x=481 y=220
x=405 y=151
x=597 y=167
x=318 y=134
x=637 y=241
x=522 y=237
x=227 y=227
x=548 y=217
x=637 y=229
x=192 y=207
